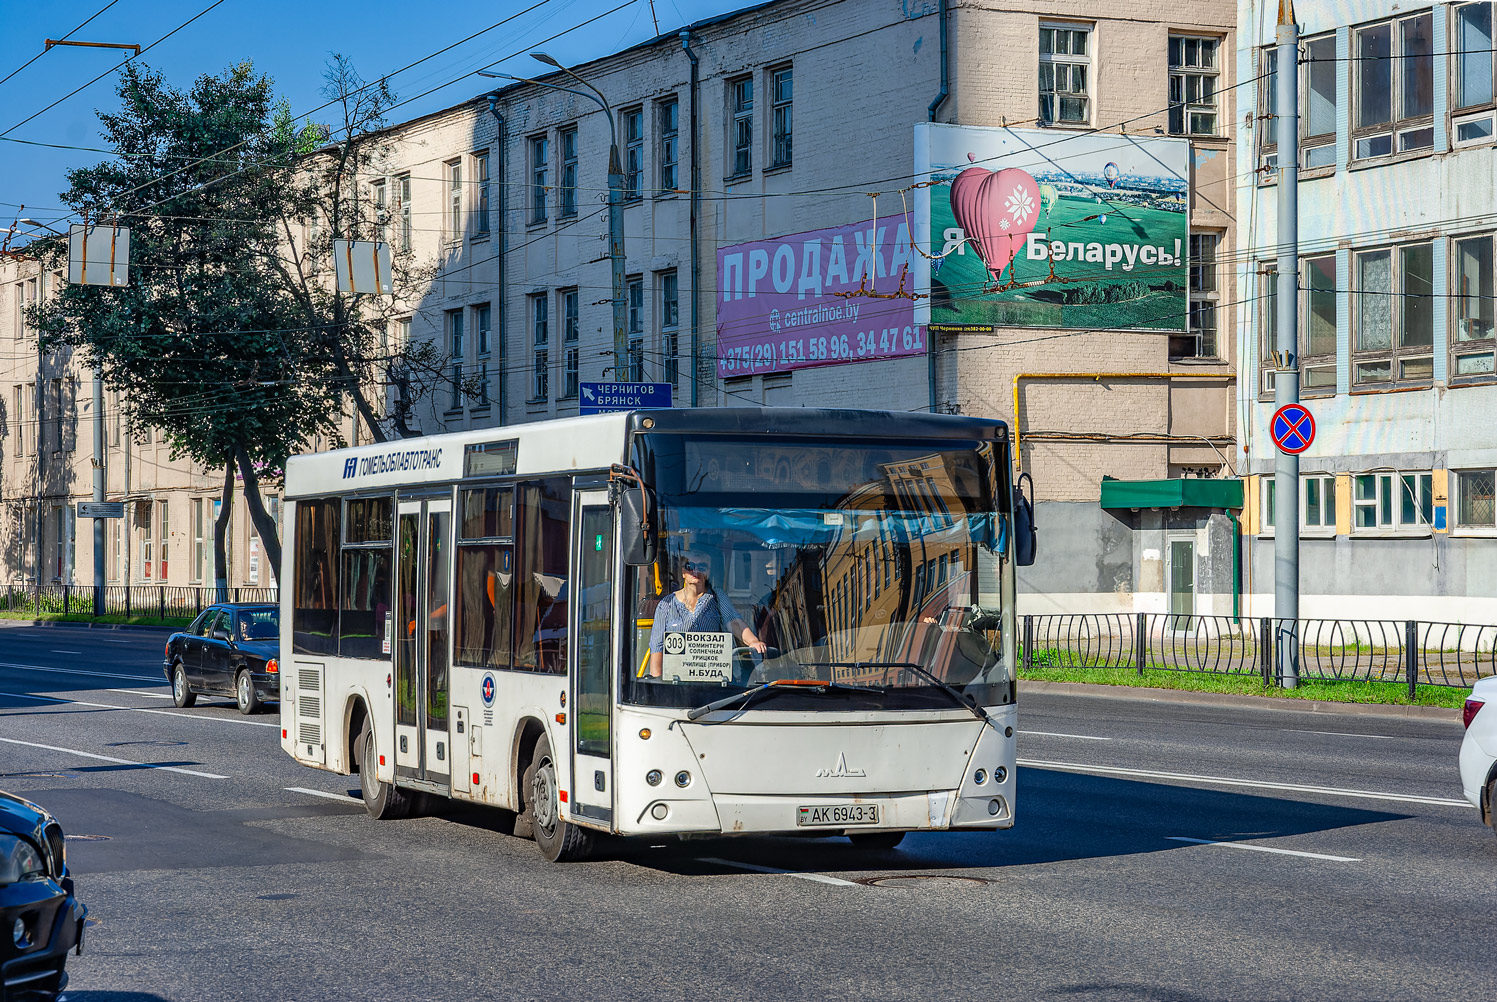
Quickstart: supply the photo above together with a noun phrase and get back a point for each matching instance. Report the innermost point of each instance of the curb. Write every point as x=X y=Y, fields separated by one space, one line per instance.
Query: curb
x=55 y=624
x=1236 y=699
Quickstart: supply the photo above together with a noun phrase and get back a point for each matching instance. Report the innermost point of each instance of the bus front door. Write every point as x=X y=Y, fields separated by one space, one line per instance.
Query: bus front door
x=422 y=651
x=593 y=614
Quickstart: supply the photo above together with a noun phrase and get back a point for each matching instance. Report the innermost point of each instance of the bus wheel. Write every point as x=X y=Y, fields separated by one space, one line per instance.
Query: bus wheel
x=382 y=800
x=876 y=841
x=559 y=841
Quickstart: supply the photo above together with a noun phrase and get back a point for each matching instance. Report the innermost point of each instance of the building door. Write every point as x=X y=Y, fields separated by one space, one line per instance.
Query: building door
x=1182 y=583
x=422 y=646
x=593 y=615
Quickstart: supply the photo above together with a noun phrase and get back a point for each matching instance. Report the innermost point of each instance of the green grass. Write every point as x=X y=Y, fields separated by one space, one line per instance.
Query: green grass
x=1331 y=691
x=79 y=617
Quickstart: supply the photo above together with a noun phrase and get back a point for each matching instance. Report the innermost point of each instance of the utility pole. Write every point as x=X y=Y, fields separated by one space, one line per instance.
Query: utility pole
x=1286 y=357
x=98 y=464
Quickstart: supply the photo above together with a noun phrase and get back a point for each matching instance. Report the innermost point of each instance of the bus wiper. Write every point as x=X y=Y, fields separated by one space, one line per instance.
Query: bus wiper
x=816 y=685
x=951 y=691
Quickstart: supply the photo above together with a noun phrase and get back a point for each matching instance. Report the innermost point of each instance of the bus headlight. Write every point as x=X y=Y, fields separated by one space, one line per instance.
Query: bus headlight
x=654 y=776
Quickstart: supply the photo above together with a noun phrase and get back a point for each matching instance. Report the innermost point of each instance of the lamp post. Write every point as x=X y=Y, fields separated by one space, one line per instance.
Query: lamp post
x=615 y=205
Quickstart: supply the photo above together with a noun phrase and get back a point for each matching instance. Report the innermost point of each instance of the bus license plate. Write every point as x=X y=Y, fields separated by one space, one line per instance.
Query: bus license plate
x=837 y=815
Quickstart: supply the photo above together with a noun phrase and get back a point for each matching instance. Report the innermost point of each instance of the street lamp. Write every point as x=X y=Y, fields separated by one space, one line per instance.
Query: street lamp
x=615 y=204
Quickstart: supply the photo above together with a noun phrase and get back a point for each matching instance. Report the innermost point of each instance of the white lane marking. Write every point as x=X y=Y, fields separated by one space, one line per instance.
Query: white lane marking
x=55 y=651
x=1253 y=783
x=1078 y=737
x=342 y=797
x=1341 y=734
x=138 y=692
x=820 y=878
x=79 y=671
x=1263 y=848
x=108 y=641
x=117 y=761
x=137 y=709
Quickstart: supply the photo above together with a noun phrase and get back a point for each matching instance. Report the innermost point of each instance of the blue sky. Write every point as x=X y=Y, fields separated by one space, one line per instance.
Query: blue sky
x=291 y=41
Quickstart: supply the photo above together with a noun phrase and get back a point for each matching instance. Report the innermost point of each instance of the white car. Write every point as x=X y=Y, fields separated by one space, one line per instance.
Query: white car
x=1479 y=749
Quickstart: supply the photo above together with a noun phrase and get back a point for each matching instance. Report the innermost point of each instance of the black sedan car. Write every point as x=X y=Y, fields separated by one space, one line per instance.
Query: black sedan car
x=229 y=650
x=40 y=919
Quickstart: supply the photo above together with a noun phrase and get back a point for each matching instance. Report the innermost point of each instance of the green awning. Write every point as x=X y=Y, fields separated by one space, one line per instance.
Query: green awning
x=1185 y=492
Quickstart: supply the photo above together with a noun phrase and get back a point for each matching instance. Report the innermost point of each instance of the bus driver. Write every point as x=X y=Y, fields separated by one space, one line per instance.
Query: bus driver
x=696 y=607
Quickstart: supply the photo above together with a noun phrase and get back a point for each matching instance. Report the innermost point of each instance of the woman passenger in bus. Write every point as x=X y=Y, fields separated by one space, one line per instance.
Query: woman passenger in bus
x=696 y=607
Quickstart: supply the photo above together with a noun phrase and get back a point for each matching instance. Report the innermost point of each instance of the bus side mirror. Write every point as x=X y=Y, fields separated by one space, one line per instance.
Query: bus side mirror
x=637 y=537
x=1025 y=541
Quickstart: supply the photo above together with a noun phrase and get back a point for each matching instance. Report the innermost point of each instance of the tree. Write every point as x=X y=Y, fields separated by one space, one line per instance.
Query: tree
x=204 y=344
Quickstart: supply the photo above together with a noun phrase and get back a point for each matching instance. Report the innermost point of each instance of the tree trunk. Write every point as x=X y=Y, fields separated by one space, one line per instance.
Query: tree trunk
x=220 y=531
x=264 y=524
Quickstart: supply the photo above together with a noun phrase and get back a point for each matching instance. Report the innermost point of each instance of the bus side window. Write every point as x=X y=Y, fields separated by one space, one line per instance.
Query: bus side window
x=314 y=628
x=485 y=578
x=545 y=514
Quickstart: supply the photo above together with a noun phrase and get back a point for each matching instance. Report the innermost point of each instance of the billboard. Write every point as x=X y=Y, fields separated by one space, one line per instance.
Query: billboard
x=1044 y=228
x=824 y=297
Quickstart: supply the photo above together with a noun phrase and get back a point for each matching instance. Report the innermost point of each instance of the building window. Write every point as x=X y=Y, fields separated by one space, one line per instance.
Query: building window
x=403 y=196
x=1472 y=90
x=670 y=325
x=164 y=531
x=481 y=190
x=455 y=355
x=1267 y=492
x=668 y=133
x=1318 y=506
x=1475 y=500
x=538 y=178
x=1395 y=316
x=569 y=342
x=1393 y=82
x=1318 y=104
x=1392 y=501
x=634 y=153
x=1065 y=73
x=540 y=338
x=781 y=85
x=199 y=539
x=481 y=318
x=1318 y=322
x=1472 y=341
x=381 y=211
x=1193 y=76
x=455 y=200
x=569 y=171
x=741 y=107
x=1201 y=340
x=636 y=300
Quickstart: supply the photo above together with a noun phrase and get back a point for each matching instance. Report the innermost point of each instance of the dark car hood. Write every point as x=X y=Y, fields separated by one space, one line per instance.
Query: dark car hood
x=21 y=817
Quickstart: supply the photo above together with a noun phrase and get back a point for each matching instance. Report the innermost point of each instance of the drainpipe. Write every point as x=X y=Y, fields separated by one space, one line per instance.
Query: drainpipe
x=940 y=99
x=1236 y=564
x=503 y=244
x=696 y=189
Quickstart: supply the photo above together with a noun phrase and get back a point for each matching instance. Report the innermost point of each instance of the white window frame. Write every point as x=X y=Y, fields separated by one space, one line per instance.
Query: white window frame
x=669 y=284
x=633 y=127
x=538 y=153
x=455 y=226
x=1205 y=71
x=740 y=146
x=403 y=194
x=481 y=194
x=456 y=355
x=1468 y=338
x=781 y=116
x=570 y=341
x=1323 y=486
x=1458 y=488
x=540 y=347
x=668 y=144
x=1266 y=506
x=1473 y=123
x=634 y=296
x=381 y=210
x=1204 y=291
x=566 y=142
x=1399 y=128
x=482 y=319
x=1388 y=487
x=1051 y=115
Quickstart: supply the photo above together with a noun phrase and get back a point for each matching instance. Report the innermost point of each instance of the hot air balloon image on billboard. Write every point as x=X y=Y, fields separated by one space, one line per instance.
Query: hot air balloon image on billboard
x=1048 y=195
x=1112 y=174
x=996 y=210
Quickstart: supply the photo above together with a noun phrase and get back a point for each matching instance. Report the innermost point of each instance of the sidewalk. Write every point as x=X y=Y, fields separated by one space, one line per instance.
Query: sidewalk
x=1234 y=699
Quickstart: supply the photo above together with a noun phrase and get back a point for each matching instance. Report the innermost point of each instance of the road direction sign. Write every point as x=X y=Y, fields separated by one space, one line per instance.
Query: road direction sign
x=1292 y=428
x=101 y=509
x=604 y=398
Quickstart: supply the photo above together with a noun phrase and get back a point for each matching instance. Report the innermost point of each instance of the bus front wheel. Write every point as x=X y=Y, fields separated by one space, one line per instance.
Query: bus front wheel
x=382 y=800
x=558 y=840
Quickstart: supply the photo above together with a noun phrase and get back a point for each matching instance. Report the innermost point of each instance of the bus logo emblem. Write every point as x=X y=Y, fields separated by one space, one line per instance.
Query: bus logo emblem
x=488 y=690
x=840 y=770
x=350 y=468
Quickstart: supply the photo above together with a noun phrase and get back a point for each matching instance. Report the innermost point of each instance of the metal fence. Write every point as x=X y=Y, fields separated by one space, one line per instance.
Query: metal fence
x=158 y=601
x=1411 y=652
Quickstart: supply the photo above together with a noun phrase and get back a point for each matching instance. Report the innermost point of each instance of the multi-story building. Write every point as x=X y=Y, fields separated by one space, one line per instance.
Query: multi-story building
x=782 y=168
x=1397 y=212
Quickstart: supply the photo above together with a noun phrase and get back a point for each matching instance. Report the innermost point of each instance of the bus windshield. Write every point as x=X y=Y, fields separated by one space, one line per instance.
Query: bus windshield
x=880 y=567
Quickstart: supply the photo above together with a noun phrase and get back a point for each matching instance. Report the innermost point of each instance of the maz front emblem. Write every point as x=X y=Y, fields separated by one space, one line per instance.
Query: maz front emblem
x=840 y=770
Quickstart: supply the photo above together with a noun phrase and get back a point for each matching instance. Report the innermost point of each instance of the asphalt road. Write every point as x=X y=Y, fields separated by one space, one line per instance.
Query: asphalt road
x=1163 y=851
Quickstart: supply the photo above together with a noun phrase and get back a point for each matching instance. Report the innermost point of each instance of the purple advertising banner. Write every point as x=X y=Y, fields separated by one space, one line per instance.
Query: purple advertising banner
x=825 y=297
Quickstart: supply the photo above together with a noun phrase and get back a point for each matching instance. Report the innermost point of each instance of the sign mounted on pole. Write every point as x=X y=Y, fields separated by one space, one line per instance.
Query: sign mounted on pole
x=605 y=398
x=362 y=266
x=1293 y=428
x=101 y=509
x=98 y=255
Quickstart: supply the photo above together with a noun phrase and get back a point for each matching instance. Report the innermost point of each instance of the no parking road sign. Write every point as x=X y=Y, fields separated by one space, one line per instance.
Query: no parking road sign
x=1292 y=428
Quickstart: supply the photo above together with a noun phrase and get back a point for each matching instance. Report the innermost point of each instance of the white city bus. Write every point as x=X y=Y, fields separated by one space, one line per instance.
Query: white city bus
x=471 y=616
